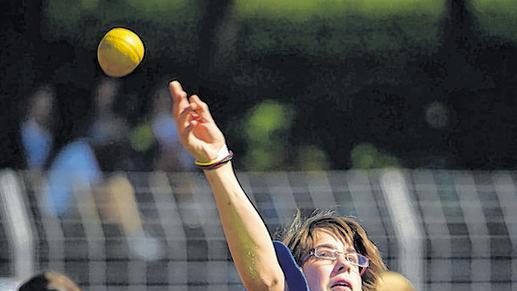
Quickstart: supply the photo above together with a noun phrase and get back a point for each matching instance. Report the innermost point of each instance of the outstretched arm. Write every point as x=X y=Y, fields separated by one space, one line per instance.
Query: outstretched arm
x=246 y=234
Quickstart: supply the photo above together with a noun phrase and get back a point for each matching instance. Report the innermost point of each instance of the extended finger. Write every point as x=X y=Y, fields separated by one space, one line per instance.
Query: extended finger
x=200 y=107
x=184 y=118
x=179 y=98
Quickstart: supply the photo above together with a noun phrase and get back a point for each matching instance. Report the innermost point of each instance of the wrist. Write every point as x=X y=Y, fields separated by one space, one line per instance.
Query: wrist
x=213 y=157
x=223 y=156
x=223 y=169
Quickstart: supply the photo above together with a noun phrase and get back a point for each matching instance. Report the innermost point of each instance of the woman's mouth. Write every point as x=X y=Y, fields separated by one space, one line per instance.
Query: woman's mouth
x=341 y=285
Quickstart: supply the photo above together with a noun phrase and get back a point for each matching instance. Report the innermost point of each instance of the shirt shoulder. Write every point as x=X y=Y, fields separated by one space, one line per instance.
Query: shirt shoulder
x=294 y=278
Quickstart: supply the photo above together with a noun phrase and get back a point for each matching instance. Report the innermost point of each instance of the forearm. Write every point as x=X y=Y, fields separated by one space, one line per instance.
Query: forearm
x=247 y=236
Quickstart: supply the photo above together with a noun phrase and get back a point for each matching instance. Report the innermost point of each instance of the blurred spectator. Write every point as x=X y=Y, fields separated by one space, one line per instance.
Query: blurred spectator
x=107 y=127
x=158 y=136
x=117 y=203
x=35 y=129
x=109 y=132
x=48 y=281
x=76 y=173
x=75 y=168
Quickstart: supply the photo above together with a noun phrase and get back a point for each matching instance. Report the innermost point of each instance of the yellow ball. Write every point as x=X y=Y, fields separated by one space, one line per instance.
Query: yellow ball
x=119 y=52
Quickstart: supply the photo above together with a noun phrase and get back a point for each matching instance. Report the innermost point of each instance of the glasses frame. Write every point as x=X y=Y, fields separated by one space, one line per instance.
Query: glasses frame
x=362 y=269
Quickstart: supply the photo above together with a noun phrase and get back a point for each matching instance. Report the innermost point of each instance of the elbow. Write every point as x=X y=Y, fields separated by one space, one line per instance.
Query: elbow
x=274 y=283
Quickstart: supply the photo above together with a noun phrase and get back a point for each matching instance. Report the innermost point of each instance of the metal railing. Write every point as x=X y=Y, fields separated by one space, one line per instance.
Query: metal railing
x=444 y=230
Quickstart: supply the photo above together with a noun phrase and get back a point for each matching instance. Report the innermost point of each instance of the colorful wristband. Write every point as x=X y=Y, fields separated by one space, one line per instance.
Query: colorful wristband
x=223 y=156
x=217 y=164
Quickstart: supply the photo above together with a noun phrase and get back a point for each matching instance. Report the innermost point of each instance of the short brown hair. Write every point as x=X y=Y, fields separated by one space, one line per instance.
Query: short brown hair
x=299 y=237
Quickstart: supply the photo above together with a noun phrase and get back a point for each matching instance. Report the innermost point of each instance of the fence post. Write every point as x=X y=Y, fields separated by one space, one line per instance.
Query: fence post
x=405 y=221
x=18 y=225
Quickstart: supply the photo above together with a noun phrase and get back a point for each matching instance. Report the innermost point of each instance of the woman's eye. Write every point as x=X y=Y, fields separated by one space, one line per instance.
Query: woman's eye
x=325 y=253
x=353 y=258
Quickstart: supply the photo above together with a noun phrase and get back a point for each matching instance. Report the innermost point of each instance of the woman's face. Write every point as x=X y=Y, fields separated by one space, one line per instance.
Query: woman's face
x=337 y=275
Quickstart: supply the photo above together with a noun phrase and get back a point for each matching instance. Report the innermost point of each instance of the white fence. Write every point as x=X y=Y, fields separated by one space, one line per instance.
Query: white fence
x=445 y=230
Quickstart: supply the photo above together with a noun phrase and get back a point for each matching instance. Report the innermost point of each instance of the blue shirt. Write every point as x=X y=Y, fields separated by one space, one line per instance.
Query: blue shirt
x=75 y=167
x=294 y=277
x=37 y=142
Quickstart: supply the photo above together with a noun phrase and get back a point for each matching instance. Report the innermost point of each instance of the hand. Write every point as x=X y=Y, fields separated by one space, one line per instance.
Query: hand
x=197 y=129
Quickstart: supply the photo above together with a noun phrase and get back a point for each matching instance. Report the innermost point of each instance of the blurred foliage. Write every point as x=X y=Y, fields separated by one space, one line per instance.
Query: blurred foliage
x=312 y=158
x=367 y=156
x=320 y=28
x=142 y=138
x=266 y=120
x=340 y=28
x=300 y=10
x=347 y=77
x=266 y=130
x=164 y=26
x=497 y=17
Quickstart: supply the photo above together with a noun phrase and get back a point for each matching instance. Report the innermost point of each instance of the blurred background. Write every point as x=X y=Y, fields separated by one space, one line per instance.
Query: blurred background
x=399 y=112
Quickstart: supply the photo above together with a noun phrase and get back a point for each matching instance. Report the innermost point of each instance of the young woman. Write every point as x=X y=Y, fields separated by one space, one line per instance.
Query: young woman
x=325 y=252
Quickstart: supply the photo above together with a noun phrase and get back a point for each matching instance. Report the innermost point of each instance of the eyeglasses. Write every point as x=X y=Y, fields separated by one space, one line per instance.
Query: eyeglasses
x=331 y=254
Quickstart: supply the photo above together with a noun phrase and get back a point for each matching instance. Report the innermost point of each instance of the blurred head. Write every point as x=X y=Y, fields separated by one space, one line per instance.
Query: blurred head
x=161 y=101
x=325 y=245
x=105 y=93
x=40 y=104
x=393 y=281
x=49 y=281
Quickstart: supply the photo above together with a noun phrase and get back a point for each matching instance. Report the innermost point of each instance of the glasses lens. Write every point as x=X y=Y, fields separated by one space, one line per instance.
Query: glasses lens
x=357 y=259
x=352 y=258
x=325 y=253
x=360 y=260
x=332 y=254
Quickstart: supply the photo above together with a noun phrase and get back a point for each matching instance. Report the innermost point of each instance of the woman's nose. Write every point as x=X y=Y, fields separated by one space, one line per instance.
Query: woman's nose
x=342 y=264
